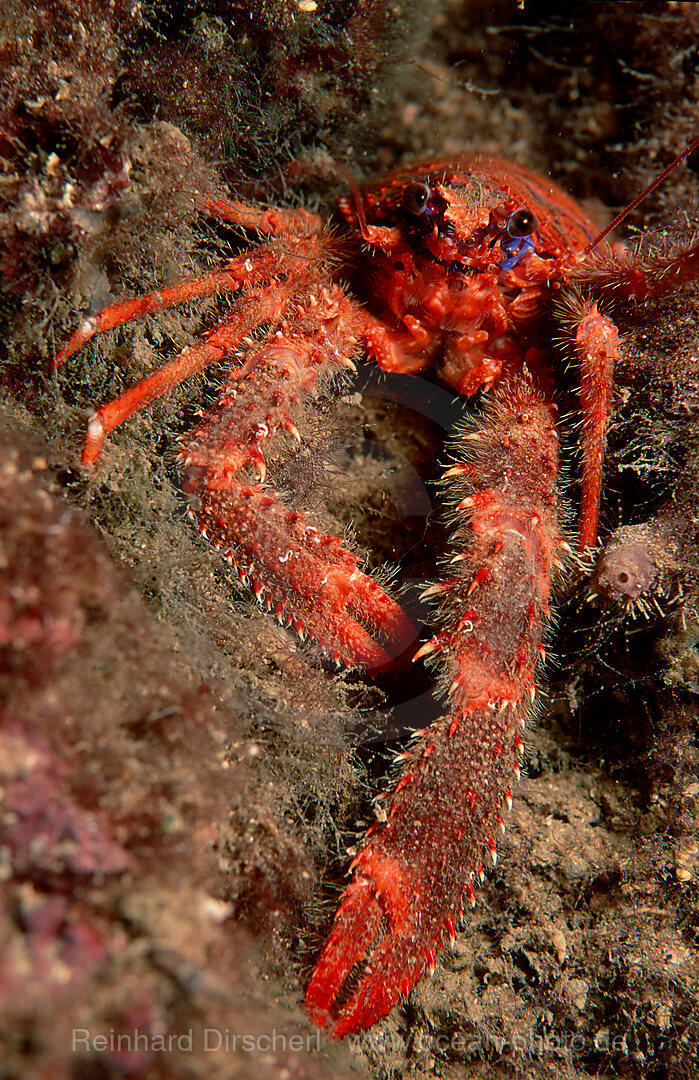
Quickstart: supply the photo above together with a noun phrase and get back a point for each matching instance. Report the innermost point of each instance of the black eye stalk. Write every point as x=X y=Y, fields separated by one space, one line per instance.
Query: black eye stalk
x=416 y=198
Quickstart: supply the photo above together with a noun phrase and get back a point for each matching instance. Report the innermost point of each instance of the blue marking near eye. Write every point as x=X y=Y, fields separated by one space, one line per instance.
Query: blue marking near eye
x=515 y=248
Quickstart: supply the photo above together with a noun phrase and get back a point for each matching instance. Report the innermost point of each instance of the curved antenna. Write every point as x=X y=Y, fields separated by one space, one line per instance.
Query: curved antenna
x=345 y=173
x=639 y=198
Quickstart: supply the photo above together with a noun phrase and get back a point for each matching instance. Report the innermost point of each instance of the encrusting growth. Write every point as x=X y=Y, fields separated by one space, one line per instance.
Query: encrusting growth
x=412 y=873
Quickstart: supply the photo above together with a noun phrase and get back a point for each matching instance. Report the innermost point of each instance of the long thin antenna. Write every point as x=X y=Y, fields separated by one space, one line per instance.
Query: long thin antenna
x=639 y=198
x=356 y=195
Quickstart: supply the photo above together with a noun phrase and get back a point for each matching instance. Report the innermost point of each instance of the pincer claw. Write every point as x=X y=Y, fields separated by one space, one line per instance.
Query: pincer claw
x=375 y=952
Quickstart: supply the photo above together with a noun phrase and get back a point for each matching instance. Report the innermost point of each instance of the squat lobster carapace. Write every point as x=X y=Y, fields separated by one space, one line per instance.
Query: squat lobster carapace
x=456 y=267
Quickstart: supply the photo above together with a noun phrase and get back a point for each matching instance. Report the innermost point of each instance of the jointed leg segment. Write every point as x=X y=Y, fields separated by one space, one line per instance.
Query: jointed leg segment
x=312 y=580
x=596 y=342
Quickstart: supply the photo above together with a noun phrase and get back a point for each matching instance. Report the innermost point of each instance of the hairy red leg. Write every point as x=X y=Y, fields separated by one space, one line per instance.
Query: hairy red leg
x=262 y=305
x=597 y=346
x=271 y=221
x=413 y=870
x=306 y=578
x=261 y=266
x=189 y=362
x=640 y=276
x=218 y=343
x=616 y=273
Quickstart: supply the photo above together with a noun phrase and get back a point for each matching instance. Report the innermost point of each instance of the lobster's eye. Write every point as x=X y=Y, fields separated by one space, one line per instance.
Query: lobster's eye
x=416 y=198
x=522 y=222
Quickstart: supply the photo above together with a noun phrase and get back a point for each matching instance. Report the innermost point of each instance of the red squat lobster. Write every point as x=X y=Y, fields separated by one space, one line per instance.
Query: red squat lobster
x=459 y=262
